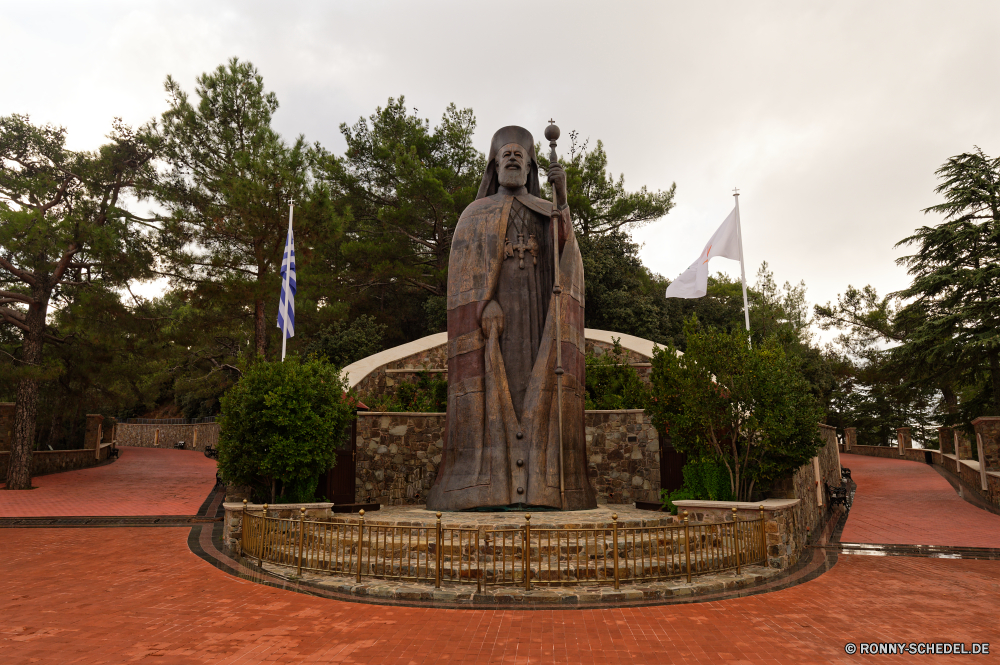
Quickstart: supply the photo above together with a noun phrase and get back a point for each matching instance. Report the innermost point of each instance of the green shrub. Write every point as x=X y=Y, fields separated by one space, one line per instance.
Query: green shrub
x=613 y=383
x=425 y=395
x=280 y=425
x=704 y=479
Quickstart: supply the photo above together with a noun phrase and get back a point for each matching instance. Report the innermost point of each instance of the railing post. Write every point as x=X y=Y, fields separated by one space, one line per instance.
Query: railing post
x=438 y=553
x=687 y=546
x=479 y=564
x=243 y=529
x=736 y=537
x=526 y=554
x=263 y=535
x=763 y=538
x=614 y=527
x=361 y=534
x=302 y=527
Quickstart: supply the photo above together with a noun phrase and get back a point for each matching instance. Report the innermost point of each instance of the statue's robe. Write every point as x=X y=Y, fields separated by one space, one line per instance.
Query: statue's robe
x=502 y=445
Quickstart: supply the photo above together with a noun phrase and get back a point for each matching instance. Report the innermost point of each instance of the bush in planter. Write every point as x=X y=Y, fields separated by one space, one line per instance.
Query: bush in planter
x=280 y=425
x=705 y=479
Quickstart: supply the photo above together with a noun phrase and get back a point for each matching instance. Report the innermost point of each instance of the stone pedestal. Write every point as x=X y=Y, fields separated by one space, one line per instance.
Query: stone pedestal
x=94 y=432
x=850 y=438
x=946 y=440
x=903 y=436
x=6 y=425
x=962 y=444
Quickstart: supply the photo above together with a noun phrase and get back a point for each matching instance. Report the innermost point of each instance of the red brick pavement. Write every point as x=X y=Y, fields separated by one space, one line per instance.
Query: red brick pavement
x=125 y=595
x=143 y=481
x=909 y=503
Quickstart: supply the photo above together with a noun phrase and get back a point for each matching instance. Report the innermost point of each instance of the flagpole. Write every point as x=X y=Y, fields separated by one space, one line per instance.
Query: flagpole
x=284 y=331
x=743 y=272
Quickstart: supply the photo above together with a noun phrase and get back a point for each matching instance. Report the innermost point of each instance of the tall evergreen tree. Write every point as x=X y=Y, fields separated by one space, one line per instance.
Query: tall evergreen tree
x=229 y=180
x=402 y=186
x=62 y=229
x=600 y=203
x=956 y=272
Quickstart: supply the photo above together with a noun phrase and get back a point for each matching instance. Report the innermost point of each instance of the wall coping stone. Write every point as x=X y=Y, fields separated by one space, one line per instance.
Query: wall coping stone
x=769 y=504
x=985 y=419
x=364 y=414
x=238 y=505
x=358 y=371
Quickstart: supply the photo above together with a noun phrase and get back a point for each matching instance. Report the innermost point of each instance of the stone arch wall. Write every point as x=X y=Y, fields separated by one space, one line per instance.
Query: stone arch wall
x=398 y=453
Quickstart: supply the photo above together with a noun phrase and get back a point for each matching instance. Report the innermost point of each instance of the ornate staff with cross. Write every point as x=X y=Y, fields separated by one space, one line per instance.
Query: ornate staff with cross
x=552 y=134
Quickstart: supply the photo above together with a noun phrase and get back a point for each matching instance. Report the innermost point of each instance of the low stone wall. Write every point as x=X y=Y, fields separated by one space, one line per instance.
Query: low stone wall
x=784 y=531
x=398 y=456
x=890 y=452
x=44 y=462
x=812 y=511
x=145 y=436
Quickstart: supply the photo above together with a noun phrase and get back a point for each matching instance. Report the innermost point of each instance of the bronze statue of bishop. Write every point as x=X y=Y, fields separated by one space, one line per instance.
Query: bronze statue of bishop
x=502 y=446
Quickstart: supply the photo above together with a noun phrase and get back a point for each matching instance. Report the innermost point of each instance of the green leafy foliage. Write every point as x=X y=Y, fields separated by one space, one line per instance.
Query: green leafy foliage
x=748 y=407
x=612 y=382
x=401 y=186
x=428 y=394
x=600 y=203
x=64 y=235
x=704 y=479
x=344 y=344
x=280 y=425
x=227 y=181
x=956 y=280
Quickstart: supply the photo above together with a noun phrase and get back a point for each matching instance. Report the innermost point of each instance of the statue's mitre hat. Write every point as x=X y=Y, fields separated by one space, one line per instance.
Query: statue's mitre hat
x=505 y=135
x=512 y=134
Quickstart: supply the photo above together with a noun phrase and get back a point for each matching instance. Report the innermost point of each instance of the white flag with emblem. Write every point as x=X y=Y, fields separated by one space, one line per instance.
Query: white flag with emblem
x=693 y=282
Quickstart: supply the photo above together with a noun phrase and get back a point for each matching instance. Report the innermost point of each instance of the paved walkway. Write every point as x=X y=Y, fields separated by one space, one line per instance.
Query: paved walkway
x=63 y=603
x=908 y=503
x=119 y=595
x=143 y=481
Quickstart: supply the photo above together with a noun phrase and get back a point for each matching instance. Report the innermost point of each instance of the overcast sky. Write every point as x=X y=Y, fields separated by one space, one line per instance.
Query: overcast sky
x=831 y=118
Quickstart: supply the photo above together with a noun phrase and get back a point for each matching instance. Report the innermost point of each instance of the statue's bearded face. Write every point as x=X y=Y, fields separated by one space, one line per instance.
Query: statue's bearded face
x=512 y=165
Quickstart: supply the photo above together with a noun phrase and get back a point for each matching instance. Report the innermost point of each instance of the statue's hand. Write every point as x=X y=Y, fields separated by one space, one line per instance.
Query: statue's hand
x=557 y=178
x=492 y=319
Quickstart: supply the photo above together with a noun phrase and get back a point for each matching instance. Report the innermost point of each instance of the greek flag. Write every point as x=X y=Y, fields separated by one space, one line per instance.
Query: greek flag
x=286 y=308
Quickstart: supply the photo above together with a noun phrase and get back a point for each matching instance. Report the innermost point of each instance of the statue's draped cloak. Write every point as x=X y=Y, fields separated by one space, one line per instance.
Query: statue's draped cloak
x=482 y=445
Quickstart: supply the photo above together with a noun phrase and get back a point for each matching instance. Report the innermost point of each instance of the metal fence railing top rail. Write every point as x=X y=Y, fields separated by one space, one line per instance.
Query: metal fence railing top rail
x=169 y=421
x=504 y=556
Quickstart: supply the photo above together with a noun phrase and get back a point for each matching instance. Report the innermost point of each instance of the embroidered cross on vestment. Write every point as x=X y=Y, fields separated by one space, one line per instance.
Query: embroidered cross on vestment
x=521 y=247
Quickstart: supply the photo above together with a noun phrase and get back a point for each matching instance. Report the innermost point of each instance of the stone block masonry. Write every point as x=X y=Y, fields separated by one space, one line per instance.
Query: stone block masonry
x=811 y=512
x=623 y=456
x=195 y=437
x=398 y=456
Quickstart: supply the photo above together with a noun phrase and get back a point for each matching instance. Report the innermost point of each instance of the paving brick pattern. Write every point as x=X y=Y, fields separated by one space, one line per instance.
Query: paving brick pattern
x=143 y=481
x=63 y=603
x=908 y=503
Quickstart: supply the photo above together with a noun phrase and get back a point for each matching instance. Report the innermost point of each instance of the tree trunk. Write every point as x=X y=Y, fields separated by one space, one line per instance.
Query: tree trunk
x=995 y=377
x=26 y=400
x=260 y=329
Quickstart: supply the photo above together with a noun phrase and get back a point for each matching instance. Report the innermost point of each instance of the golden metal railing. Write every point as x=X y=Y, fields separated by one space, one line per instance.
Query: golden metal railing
x=507 y=556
